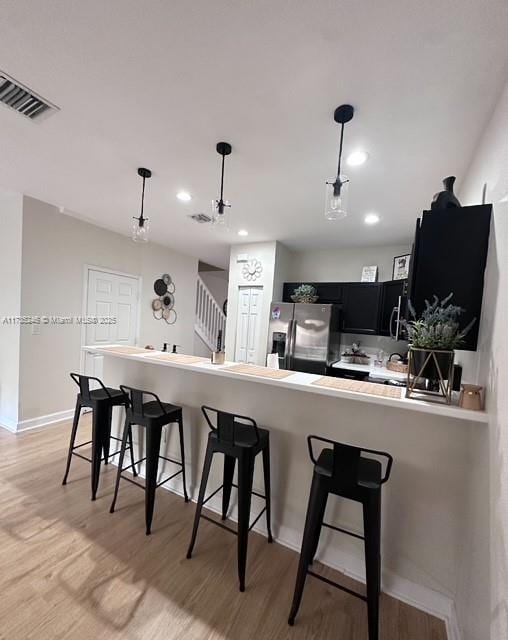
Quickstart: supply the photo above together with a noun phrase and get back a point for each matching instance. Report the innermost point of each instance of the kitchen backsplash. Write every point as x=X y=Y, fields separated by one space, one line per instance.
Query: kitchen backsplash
x=371 y=345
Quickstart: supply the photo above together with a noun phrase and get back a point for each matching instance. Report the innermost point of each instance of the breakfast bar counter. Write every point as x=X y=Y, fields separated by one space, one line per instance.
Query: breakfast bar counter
x=425 y=501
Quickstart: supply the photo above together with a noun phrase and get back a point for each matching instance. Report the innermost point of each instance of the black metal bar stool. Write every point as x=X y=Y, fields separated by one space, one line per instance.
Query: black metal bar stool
x=101 y=401
x=153 y=415
x=238 y=438
x=343 y=471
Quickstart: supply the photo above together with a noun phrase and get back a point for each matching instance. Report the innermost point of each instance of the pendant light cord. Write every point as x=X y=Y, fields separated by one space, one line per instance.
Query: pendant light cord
x=340 y=148
x=222 y=179
x=142 y=199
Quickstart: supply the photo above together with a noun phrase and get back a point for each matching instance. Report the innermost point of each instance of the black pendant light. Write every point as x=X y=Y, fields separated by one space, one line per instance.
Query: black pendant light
x=220 y=215
x=337 y=188
x=140 y=225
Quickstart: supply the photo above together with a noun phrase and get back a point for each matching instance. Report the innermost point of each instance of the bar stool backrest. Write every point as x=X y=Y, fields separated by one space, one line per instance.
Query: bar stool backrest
x=137 y=400
x=225 y=424
x=83 y=383
x=346 y=462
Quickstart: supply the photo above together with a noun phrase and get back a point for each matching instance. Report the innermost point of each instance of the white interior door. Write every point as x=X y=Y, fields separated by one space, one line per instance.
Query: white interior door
x=110 y=295
x=247 y=347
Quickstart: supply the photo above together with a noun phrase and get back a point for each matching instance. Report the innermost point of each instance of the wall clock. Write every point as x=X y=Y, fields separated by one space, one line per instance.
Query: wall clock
x=252 y=269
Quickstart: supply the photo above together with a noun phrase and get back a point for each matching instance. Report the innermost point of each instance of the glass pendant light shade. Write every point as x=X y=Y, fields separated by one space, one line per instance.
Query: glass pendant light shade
x=220 y=219
x=140 y=230
x=336 y=198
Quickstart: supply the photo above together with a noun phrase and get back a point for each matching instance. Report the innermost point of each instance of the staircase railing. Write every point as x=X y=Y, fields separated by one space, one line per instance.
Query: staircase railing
x=210 y=317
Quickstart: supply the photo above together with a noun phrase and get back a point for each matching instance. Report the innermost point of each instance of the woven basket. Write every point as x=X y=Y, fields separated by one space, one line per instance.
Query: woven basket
x=397 y=366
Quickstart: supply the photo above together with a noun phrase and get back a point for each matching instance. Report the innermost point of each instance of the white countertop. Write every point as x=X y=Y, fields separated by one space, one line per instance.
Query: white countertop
x=299 y=381
x=374 y=372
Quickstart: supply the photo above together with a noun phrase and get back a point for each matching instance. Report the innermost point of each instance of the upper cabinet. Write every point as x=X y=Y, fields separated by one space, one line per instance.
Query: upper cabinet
x=449 y=255
x=361 y=307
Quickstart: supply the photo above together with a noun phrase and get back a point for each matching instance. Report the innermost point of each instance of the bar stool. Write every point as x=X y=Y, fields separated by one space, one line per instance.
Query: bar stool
x=343 y=471
x=238 y=438
x=153 y=416
x=101 y=401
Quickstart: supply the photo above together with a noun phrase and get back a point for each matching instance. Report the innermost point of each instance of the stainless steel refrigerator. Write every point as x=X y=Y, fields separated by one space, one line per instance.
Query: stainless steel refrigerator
x=306 y=337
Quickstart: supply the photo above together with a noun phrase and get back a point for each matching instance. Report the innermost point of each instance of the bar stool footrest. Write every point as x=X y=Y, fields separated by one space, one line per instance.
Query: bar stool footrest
x=331 y=583
x=340 y=530
x=133 y=482
x=223 y=526
x=179 y=462
x=219 y=524
x=170 y=478
x=78 y=455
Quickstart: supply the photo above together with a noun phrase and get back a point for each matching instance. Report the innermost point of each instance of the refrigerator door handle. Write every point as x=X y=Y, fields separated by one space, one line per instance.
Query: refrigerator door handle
x=291 y=342
x=394 y=311
x=287 y=350
x=398 y=318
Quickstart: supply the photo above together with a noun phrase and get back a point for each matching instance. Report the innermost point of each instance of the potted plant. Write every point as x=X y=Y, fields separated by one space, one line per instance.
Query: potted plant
x=304 y=293
x=433 y=337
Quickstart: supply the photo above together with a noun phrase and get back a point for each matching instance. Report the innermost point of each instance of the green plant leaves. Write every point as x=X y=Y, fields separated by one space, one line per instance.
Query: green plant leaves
x=438 y=327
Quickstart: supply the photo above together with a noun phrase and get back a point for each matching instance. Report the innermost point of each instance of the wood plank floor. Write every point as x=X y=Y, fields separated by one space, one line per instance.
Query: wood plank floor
x=70 y=569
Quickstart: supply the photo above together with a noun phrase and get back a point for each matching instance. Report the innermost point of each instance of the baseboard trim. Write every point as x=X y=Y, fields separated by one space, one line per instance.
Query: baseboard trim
x=44 y=421
x=8 y=424
x=423 y=598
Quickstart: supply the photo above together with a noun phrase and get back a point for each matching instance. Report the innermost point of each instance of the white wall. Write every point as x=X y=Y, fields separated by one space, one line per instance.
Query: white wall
x=343 y=265
x=11 y=219
x=482 y=601
x=56 y=249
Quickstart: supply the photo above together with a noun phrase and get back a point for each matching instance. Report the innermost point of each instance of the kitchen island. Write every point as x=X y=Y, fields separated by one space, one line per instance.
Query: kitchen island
x=424 y=503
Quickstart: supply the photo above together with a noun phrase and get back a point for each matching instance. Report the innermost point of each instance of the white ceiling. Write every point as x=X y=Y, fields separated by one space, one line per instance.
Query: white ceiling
x=157 y=83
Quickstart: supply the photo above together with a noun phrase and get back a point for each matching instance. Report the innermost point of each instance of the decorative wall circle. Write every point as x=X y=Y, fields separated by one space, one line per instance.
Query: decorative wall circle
x=171 y=316
x=252 y=270
x=160 y=287
x=168 y=301
x=162 y=306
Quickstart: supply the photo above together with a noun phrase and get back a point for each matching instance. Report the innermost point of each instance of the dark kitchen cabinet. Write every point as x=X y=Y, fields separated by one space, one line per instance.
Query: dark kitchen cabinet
x=393 y=308
x=450 y=255
x=361 y=307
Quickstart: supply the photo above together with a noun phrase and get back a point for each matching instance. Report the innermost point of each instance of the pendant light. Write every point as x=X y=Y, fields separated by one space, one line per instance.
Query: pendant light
x=140 y=225
x=220 y=216
x=337 y=188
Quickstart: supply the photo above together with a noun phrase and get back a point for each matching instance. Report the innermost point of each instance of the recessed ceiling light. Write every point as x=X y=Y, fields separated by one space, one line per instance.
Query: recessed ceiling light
x=184 y=196
x=357 y=158
x=371 y=218
x=243 y=232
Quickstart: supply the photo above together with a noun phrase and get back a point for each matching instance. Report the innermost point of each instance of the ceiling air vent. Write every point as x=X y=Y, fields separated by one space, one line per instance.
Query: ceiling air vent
x=25 y=101
x=200 y=218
